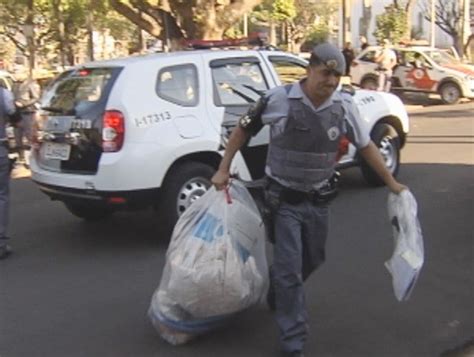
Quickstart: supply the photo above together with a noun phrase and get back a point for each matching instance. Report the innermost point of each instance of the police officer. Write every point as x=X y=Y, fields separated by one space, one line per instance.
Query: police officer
x=7 y=107
x=307 y=120
x=27 y=93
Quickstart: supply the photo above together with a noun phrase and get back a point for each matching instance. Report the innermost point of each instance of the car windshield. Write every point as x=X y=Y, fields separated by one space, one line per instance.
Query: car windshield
x=441 y=57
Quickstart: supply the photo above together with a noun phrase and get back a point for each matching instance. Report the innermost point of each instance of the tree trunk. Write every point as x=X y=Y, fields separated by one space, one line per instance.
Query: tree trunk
x=273 y=38
x=409 y=10
x=90 y=35
x=30 y=36
x=468 y=48
x=60 y=28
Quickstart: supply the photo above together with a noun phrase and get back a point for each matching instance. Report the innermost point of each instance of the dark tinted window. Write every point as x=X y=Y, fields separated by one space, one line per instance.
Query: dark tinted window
x=179 y=85
x=77 y=89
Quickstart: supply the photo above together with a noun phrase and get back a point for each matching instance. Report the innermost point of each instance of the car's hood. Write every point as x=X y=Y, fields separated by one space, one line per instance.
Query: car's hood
x=463 y=69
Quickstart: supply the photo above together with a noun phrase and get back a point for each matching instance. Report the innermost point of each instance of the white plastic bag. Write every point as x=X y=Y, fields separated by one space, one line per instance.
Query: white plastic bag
x=215 y=265
x=408 y=256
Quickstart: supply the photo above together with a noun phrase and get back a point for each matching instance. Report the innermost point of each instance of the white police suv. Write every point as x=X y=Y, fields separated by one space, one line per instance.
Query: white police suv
x=150 y=131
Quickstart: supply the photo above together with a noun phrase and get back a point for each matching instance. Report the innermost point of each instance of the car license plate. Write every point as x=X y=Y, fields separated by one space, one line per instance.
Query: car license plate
x=57 y=151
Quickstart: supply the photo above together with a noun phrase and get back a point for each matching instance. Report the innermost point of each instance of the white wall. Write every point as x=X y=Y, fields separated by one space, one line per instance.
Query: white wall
x=372 y=8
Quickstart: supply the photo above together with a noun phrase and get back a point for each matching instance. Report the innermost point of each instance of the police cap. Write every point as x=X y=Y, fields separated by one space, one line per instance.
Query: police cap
x=330 y=56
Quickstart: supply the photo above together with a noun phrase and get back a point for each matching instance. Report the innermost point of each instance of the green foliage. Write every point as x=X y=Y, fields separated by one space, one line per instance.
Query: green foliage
x=392 y=24
x=283 y=10
x=317 y=34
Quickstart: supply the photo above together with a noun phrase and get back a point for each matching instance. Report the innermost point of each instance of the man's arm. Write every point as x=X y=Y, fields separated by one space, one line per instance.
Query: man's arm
x=372 y=156
x=249 y=124
x=237 y=139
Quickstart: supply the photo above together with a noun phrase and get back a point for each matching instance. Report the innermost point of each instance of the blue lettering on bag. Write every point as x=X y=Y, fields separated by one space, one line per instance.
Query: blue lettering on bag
x=208 y=228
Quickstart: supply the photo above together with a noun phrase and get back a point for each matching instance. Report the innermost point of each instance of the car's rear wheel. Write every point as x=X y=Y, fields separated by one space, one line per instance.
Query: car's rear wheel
x=369 y=83
x=386 y=139
x=183 y=185
x=88 y=212
x=450 y=93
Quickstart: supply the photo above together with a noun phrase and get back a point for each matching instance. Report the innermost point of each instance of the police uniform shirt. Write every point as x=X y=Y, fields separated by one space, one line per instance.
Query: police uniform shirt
x=277 y=108
x=7 y=107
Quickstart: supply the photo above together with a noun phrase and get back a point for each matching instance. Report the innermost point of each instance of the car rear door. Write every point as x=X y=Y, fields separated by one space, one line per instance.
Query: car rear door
x=71 y=114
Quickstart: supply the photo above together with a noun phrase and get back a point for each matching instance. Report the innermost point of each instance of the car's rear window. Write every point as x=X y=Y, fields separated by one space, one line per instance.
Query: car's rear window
x=77 y=90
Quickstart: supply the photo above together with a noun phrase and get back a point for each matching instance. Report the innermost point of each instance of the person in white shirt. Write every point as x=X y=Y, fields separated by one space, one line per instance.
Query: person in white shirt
x=387 y=60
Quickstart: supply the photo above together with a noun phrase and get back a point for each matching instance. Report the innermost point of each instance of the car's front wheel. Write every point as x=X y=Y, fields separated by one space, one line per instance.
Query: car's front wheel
x=386 y=139
x=450 y=93
x=88 y=212
x=183 y=185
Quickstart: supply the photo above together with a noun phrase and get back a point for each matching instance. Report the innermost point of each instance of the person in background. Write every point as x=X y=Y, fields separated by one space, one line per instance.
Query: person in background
x=386 y=60
x=349 y=55
x=418 y=62
x=27 y=93
x=7 y=107
x=307 y=120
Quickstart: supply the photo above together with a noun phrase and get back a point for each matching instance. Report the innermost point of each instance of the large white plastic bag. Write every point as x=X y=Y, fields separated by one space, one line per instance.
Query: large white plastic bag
x=215 y=266
x=408 y=256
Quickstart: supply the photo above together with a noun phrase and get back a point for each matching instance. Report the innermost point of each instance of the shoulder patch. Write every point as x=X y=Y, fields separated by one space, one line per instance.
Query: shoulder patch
x=348 y=89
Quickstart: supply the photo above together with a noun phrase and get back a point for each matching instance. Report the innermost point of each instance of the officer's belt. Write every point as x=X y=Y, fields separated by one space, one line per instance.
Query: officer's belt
x=291 y=196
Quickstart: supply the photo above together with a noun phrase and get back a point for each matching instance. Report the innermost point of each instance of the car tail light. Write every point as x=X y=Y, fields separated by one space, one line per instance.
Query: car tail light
x=113 y=131
x=343 y=147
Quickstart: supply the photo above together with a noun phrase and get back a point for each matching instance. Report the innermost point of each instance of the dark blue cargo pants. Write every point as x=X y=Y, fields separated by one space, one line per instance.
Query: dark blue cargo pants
x=300 y=232
x=4 y=195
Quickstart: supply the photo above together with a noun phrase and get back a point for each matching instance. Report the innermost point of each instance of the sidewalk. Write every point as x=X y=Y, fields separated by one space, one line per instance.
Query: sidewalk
x=20 y=171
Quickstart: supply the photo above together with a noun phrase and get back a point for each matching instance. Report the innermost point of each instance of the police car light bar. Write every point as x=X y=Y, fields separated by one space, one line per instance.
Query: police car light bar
x=255 y=39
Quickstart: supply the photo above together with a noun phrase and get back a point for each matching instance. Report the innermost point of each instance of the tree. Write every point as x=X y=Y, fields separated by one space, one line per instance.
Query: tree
x=300 y=20
x=392 y=24
x=23 y=22
x=407 y=6
x=448 y=16
x=174 y=20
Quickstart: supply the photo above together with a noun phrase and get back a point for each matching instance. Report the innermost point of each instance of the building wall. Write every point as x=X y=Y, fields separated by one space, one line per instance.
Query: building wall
x=362 y=15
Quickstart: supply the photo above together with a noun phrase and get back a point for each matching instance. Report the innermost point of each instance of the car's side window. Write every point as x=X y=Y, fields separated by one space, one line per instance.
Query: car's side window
x=238 y=83
x=179 y=84
x=288 y=71
x=369 y=56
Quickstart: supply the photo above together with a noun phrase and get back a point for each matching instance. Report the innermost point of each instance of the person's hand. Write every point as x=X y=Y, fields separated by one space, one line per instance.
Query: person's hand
x=397 y=187
x=220 y=179
x=18 y=104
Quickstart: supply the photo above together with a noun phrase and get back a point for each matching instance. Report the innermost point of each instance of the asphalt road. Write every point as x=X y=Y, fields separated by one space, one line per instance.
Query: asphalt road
x=77 y=289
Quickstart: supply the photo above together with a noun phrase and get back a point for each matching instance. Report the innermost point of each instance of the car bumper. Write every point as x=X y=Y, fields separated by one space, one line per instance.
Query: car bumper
x=117 y=199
